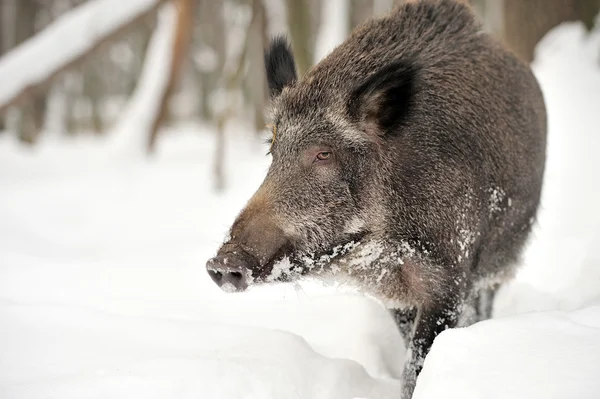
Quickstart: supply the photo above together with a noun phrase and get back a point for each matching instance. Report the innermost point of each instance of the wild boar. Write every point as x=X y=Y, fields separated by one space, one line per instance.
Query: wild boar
x=408 y=161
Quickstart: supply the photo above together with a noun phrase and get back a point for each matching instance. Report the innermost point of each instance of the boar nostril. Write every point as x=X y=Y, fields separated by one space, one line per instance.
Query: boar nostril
x=226 y=276
x=232 y=281
x=215 y=275
x=236 y=275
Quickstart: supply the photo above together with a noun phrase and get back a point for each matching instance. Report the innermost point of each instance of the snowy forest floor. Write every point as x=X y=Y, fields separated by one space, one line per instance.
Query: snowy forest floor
x=104 y=293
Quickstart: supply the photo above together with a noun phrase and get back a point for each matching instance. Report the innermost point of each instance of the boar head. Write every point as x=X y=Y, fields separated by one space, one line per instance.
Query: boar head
x=328 y=183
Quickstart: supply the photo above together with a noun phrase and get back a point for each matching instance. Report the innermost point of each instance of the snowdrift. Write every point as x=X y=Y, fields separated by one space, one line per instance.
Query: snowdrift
x=536 y=355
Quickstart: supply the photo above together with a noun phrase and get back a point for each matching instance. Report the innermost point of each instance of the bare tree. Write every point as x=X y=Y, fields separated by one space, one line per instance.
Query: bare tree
x=299 y=21
x=491 y=13
x=360 y=10
x=526 y=22
x=256 y=85
x=38 y=84
x=208 y=55
x=185 y=12
x=93 y=92
x=140 y=38
x=31 y=114
x=4 y=18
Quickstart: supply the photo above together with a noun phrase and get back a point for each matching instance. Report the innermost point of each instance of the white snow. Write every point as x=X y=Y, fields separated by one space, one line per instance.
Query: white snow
x=538 y=355
x=63 y=42
x=104 y=292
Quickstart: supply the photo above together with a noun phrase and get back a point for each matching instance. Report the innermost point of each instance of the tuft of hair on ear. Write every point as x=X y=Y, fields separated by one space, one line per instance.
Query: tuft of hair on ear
x=383 y=100
x=279 y=65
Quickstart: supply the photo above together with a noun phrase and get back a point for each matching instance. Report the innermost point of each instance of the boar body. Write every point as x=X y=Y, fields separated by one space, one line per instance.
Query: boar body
x=418 y=146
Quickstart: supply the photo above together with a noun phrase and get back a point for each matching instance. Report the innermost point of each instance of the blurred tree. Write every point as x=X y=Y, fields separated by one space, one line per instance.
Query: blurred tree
x=219 y=159
x=491 y=13
x=360 y=10
x=33 y=84
x=526 y=22
x=255 y=81
x=4 y=17
x=301 y=32
x=208 y=52
x=138 y=40
x=108 y=73
x=31 y=114
x=93 y=91
x=183 y=33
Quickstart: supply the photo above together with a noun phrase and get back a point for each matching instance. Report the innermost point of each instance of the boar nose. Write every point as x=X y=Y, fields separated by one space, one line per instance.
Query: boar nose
x=227 y=272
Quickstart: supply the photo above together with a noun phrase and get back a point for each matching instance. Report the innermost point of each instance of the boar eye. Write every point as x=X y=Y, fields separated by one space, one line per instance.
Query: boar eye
x=323 y=156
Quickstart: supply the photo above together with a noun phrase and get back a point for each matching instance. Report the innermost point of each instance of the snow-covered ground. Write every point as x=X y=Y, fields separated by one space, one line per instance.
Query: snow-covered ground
x=104 y=293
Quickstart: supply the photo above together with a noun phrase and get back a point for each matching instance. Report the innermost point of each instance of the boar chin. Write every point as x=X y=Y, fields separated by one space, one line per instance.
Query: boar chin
x=290 y=266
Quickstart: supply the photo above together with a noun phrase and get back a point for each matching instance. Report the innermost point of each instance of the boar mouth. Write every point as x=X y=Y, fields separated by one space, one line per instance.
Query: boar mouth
x=235 y=267
x=289 y=265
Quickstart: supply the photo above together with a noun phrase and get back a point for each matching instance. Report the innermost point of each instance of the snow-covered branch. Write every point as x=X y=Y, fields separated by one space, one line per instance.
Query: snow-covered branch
x=32 y=65
x=139 y=116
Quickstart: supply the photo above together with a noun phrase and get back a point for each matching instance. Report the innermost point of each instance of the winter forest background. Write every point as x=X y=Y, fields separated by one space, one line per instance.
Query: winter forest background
x=212 y=68
x=131 y=134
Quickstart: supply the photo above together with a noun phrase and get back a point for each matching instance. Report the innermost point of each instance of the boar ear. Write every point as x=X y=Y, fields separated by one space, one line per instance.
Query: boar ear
x=279 y=65
x=383 y=100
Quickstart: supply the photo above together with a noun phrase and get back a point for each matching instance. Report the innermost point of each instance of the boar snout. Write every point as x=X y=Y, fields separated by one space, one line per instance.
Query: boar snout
x=256 y=242
x=228 y=272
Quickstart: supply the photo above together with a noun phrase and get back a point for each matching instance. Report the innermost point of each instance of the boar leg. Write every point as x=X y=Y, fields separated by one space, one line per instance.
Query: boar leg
x=430 y=322
x=405 y=320
x=485 y=301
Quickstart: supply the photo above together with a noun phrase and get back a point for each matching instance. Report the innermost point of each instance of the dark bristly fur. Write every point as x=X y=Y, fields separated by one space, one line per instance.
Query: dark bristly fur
x=422 y=138
x=383 y=99
x=280 y=65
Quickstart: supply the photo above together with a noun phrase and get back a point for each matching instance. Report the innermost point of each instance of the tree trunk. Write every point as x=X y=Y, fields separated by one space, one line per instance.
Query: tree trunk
x=92 y=91
x=140 y=46
x=185 y=12
x=210 y=37
x=360 y=11
x=257 y=84
x=31 y=115
x=219 y=160
x=493 y=17
x=526 y=22
x=3 y=45
x=299 y=22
